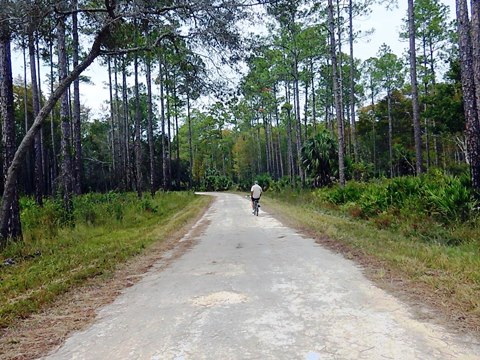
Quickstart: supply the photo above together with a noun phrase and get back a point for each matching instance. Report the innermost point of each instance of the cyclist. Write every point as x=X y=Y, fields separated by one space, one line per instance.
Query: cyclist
x=255 y=193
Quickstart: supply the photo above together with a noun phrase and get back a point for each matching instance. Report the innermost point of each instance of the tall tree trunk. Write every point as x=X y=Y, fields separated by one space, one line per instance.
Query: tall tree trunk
x=267 y=142
x=177 y=133
x=426 y=92
x=126 y=129
x=413 y=77
x=337 y=94
x=291 y=165
x=190 y=148
x=137 y=143
x=118 y=139
x=468 y=49
x=298 y=122
x=390 y=132
x=169 y=123
x=77 y=135
x=305 y=112
x=54 y=172
x=314 y=100
x=151 y=147
x=352 y=83
x=66 y=149
x=112 y=121
x=43 y=149
x=162 y=107
x=28 y=175
x=38 y=173
x=434 y=82
x=279 y=137
x=10 y=226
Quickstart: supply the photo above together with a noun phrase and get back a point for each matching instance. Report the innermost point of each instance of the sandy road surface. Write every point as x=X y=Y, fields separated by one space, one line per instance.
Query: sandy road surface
x=252 y=288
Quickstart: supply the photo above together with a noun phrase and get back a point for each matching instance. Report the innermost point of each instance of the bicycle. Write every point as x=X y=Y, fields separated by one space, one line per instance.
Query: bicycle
x=256 y=205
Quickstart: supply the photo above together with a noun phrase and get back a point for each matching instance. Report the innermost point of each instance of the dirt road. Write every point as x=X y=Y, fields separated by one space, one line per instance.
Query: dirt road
x=252 y=288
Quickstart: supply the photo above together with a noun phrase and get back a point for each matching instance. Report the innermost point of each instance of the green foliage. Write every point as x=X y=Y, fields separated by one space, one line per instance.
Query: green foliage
x=283 y=184
x=215 y=182
x=351 y=192
x=319 y=156
x=39 y=221
x=265 y=181
x=442 y=199
x=449 y=198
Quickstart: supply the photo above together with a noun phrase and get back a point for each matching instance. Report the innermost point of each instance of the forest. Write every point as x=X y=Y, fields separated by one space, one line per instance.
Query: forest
x=306 y=113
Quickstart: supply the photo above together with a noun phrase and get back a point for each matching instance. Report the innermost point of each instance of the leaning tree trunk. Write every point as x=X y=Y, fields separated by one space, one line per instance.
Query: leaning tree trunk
x=413 y=77
x=469 y=66
x=66 y=148
x=338 y=102
x=10 y=226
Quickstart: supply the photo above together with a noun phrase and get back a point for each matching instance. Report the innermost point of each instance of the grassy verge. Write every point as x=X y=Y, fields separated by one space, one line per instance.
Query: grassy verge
x=109 y=230
x=447 y=277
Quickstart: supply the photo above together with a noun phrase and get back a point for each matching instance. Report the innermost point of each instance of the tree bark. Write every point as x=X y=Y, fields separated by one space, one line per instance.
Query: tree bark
x=413 y=77
x=151 y=148
x=66 y=149
x=352 y=84
x=77 y=126
x=38 y=166
x=470 y=91
x=390 y=132
x=162 y=107
x=137 y=144
x=337 y=95
x=54 y=172
x=112 y=121
x=190 y=148
x=126 y=129
x=10 y=225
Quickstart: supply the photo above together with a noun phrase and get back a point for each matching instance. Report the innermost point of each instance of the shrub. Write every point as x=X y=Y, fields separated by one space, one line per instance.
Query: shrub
x=264 y=180
x=281 y=184
x=350 y=193
x=451 y=202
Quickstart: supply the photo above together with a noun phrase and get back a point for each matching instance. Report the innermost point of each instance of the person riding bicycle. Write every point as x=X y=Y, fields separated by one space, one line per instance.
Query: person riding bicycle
x=255 y=193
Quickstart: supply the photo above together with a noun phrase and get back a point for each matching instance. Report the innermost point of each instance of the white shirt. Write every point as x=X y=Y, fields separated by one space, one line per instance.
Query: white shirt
x=256 y=191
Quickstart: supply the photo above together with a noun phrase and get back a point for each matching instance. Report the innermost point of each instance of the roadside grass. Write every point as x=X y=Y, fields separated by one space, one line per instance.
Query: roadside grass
x=449 y=275
x=109 y=229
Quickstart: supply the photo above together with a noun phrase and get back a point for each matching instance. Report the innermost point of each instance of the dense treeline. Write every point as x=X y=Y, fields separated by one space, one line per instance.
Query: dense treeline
x=306 y=113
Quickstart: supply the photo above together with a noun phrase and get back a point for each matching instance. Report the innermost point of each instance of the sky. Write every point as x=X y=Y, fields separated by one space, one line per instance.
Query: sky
x=387 y=25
